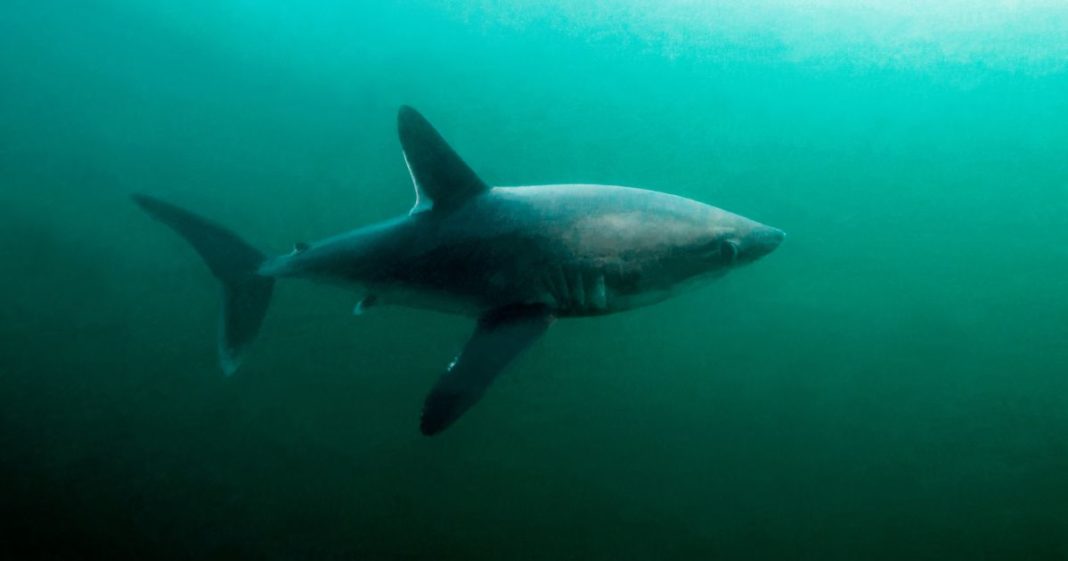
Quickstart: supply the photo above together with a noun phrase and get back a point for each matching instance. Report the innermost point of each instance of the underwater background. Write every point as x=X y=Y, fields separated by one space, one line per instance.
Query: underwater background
x=891 y=383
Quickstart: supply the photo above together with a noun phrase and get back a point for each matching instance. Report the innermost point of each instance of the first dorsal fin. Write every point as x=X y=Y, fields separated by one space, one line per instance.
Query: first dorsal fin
x=442 y=180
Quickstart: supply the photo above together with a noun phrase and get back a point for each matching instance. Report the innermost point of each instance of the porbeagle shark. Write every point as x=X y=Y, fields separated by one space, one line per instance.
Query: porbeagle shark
x=515 y=258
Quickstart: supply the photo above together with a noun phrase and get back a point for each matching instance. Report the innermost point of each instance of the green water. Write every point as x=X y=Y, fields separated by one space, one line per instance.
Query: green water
x=892 y=383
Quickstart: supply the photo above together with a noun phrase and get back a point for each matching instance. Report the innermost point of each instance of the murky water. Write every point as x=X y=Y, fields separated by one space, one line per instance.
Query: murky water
x=891 y=383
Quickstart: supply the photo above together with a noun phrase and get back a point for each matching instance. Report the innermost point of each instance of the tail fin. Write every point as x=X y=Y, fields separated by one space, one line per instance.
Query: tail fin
x=235 y=263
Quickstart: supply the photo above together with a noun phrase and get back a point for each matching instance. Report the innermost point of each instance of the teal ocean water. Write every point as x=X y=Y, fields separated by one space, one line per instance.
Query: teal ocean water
x=891 y=383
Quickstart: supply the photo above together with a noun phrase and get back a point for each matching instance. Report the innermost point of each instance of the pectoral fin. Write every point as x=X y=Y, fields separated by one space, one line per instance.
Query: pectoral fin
x=500 y=336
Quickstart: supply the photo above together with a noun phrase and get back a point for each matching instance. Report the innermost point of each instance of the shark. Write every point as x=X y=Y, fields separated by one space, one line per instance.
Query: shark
x=515 y=259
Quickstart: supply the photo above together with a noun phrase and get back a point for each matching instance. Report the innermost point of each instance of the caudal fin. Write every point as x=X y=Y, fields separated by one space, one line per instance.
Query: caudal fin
x=235 y=263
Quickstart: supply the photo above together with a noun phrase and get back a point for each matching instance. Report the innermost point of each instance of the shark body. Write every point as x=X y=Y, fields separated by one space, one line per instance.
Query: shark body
x=515 y=258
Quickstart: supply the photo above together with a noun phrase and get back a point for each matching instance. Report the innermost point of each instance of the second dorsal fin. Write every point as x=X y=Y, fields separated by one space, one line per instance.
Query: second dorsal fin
x=442 y=180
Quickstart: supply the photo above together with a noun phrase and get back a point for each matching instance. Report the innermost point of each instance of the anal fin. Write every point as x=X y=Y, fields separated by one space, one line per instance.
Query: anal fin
x=365 y=303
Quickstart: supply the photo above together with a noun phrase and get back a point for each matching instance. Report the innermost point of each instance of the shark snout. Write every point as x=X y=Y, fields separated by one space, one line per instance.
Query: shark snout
x=760 y=242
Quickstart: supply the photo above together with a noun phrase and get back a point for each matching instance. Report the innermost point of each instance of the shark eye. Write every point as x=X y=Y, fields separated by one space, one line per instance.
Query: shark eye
x=722 y=252
x=729 y=252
